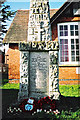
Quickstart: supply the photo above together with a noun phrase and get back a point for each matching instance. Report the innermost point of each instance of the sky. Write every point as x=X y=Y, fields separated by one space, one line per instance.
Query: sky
x=29 y=0
x=25 y=4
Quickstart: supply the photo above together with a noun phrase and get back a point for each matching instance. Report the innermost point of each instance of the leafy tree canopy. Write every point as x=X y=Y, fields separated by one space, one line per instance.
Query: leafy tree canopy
x=5 y=15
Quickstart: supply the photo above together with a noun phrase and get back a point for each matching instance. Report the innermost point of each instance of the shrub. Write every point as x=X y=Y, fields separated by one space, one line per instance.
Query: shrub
x=4 y=81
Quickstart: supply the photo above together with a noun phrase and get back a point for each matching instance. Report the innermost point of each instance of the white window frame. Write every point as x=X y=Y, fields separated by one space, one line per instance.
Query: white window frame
x=69 y=42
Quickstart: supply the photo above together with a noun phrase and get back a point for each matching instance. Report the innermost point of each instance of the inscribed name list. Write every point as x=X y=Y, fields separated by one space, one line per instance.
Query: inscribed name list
x=39 y=71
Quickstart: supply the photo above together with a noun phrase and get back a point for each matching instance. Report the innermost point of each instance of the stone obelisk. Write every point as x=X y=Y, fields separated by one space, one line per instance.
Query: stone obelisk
x=39 y=56
x=39 y=28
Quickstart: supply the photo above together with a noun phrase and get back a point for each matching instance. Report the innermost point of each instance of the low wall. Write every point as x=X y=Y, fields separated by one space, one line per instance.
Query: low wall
x=69 y=82
x=61 y=82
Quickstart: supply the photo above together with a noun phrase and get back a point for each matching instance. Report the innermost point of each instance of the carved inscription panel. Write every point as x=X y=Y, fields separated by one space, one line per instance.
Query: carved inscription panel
x=39 y=72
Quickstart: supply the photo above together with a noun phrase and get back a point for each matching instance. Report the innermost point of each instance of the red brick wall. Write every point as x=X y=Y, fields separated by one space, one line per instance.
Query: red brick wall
x=70 y=82
x=64 y=72
x=13 y=60
x=68 y=73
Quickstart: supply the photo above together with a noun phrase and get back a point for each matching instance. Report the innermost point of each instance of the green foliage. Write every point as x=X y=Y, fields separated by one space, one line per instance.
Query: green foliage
x=10 y=86
x=70 y=90
x=64 y=115
x=4 y=81
x=5 y=14
x=70 y=115
x=65 y=90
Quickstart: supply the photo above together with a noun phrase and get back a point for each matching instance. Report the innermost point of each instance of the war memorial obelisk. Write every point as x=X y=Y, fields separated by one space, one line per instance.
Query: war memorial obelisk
x=39 y=55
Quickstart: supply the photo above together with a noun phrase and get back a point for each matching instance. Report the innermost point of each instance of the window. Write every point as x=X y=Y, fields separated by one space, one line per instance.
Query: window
x=69 y=42
x=63 y=30
x=64 y=56
x=74 y=49
x=73 y=30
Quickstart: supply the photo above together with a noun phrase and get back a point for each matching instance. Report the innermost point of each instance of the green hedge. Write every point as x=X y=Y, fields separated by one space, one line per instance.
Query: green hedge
x=70 y=90
x=10 y=86
x=4 y=81
x=65 y=90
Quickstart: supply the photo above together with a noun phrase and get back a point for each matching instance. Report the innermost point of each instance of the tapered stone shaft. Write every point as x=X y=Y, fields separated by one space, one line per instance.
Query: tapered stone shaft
x=39 y=28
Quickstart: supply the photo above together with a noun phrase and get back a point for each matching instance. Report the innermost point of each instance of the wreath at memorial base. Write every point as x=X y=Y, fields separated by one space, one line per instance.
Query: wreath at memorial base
x=33 y=105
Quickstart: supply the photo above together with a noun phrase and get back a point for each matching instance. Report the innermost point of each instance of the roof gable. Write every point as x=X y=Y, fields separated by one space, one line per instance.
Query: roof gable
x=19 y=28
x=70 y=8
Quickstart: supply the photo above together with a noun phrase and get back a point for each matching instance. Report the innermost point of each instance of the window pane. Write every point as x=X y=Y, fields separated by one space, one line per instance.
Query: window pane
x=60 y=54
x=62 y=59
x=61 y=33
x=65 y=27
x=76 y=27
x=61 y=47
x=72 y=33
x=66 y=47
x=77 y=46
x=77 y=52
x=66 y=52
x=66 y=33
x=77 y=58
x=66 y=59
x=73 y=58
x=77 y=41
x=72 y=41
x=61 y=41
x=61 y=27
x=76 y=33
x=72 y=52
x=66 y=41
x=72 y=47
x=71 y=27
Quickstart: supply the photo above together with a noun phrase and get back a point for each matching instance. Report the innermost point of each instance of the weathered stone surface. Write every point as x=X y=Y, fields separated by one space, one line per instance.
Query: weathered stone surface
x=42 y=45
x=39 y=28
x=53 y=75
x=24 y=74
x=39 y=56
x=39 y=73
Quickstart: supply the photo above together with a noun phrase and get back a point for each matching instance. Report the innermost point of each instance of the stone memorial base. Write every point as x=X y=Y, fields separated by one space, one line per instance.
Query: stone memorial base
x=39 y=70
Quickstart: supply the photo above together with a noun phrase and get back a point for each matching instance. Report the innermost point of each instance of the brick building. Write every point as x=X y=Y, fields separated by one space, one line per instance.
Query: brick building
x=65 y=24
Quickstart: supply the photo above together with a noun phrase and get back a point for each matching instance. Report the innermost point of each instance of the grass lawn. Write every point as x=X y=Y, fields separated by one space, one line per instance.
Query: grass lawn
x=70 y=90
x=10 y=86
x=65 y=90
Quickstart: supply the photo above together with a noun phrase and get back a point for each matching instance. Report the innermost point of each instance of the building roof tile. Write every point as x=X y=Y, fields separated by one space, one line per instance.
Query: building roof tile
x=19 y=27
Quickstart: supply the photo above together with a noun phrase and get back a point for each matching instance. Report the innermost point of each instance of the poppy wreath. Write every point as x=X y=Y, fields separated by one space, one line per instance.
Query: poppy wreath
x=46 y=103
x=31 y=105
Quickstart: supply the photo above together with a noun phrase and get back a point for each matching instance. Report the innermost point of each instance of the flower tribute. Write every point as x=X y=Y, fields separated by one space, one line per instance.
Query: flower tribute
x=33 y=105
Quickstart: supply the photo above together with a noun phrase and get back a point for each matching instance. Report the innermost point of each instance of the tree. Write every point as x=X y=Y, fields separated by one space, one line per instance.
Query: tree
x=5 y=14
